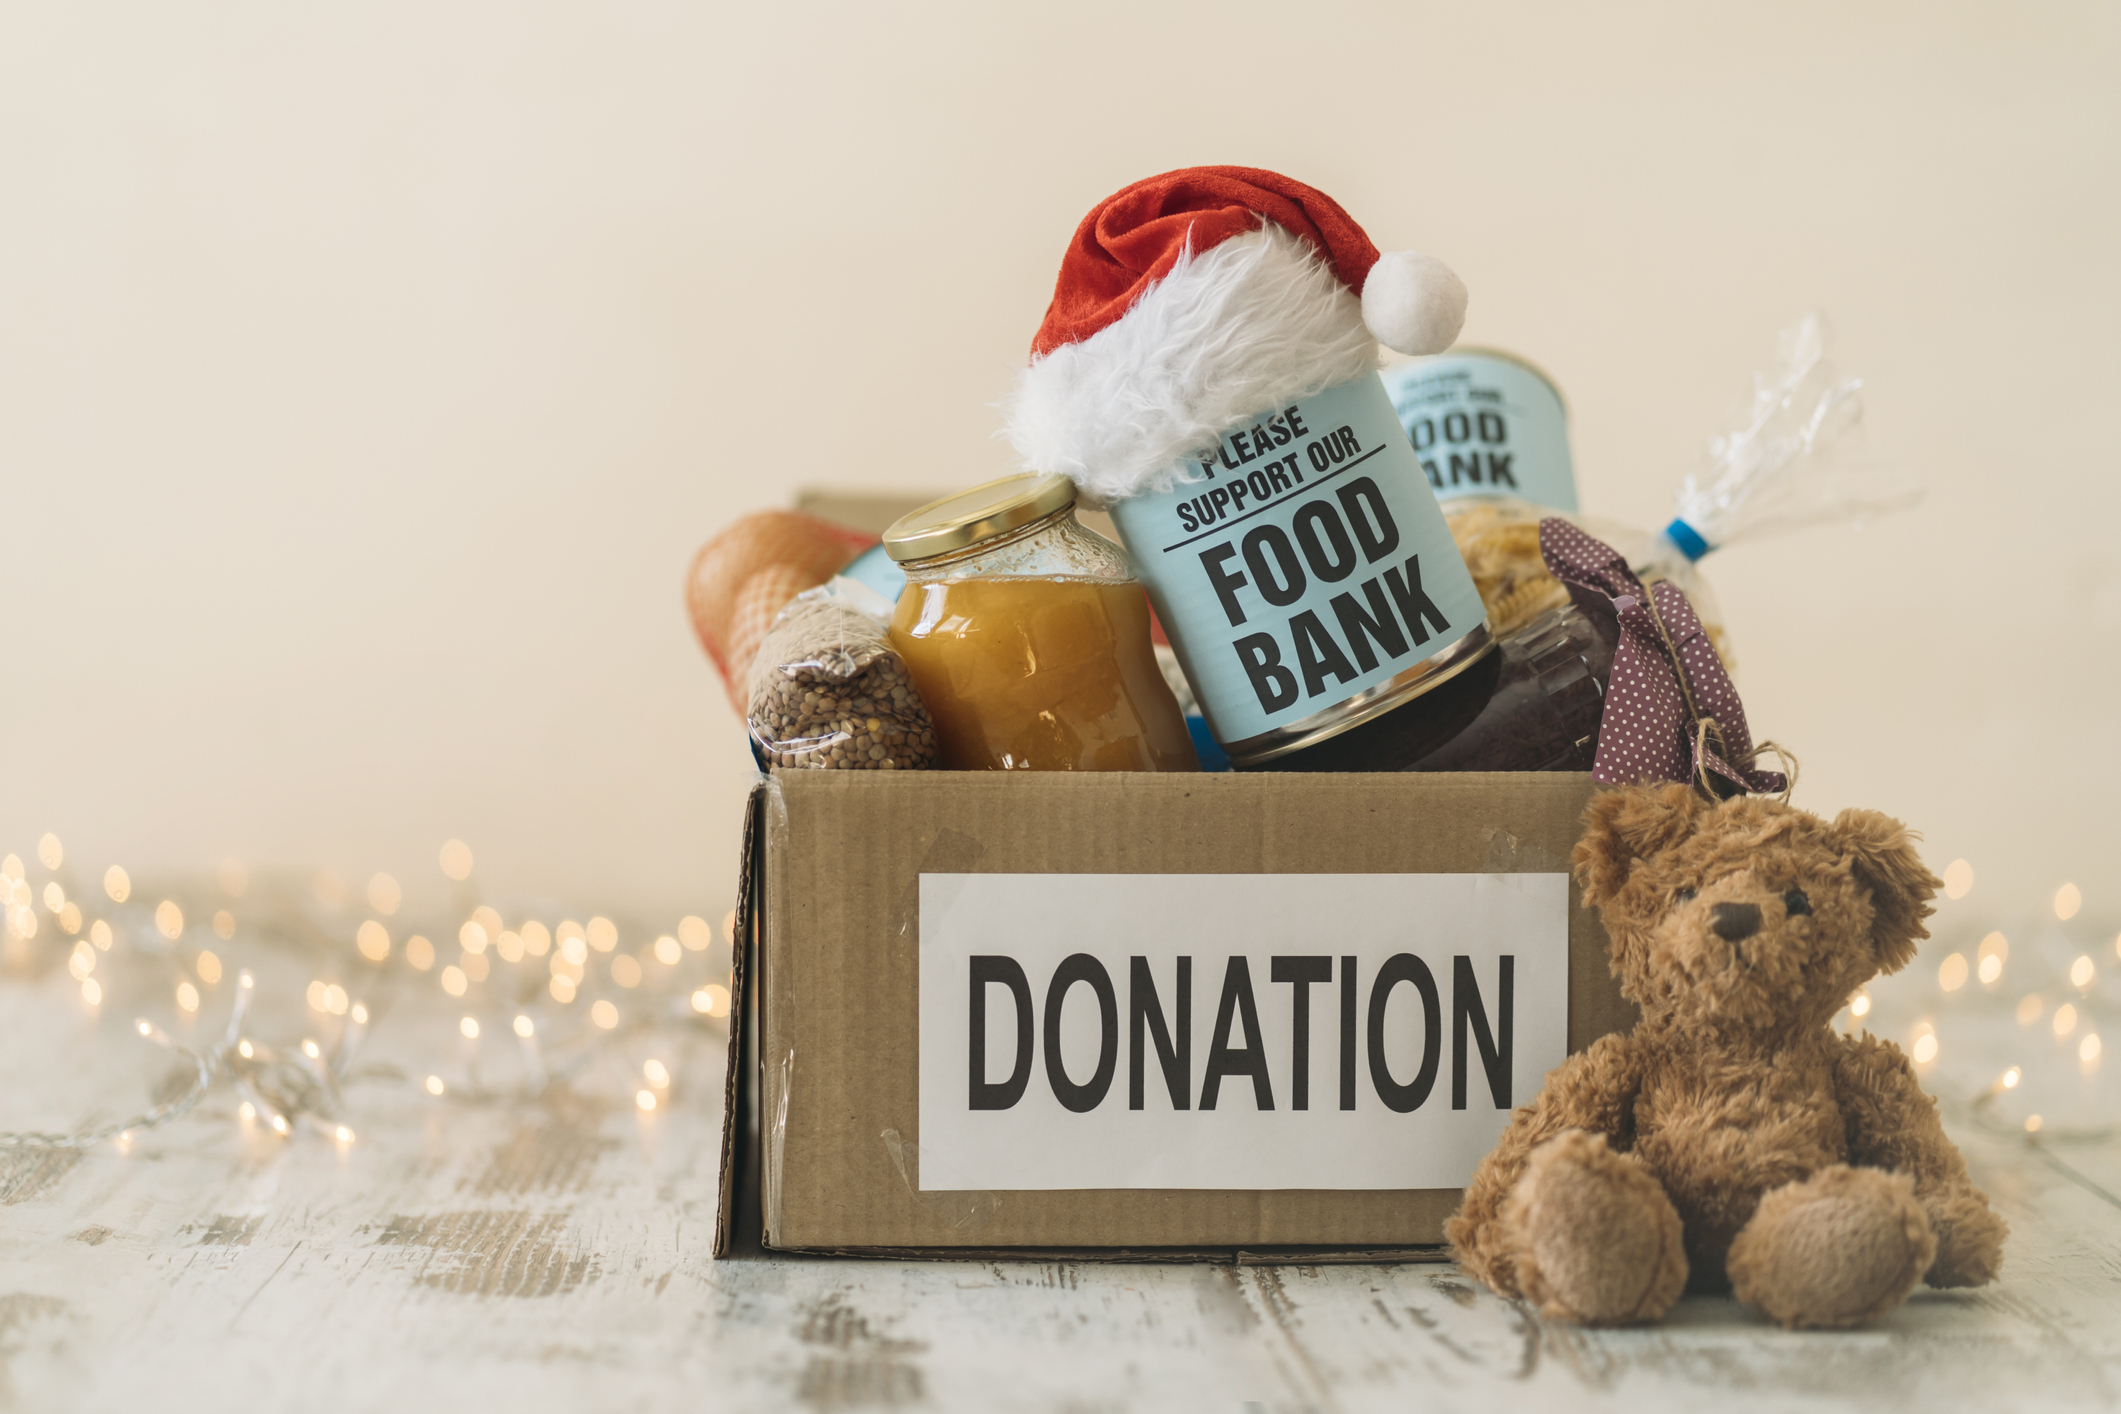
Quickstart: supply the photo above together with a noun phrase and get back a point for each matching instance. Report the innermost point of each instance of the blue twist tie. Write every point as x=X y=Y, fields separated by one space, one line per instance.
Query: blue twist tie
x=1687 y=539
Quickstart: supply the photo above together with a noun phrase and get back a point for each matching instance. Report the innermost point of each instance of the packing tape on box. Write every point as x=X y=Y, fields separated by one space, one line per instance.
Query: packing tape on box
x=965 y=1212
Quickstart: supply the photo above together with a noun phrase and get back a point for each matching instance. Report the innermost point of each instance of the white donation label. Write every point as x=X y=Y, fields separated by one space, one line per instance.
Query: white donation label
x=1232 y=1031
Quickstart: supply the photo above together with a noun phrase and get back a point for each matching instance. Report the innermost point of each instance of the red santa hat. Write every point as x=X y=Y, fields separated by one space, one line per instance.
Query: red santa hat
x=1192 y=301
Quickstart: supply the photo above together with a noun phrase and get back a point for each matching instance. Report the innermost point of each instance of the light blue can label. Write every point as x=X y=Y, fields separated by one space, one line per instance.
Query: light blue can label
x=1485 y=426
x=1305 y=562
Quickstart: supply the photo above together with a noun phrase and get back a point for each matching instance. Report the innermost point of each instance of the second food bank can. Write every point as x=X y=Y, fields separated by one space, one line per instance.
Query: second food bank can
x=1305 y=574
x=1485 y=425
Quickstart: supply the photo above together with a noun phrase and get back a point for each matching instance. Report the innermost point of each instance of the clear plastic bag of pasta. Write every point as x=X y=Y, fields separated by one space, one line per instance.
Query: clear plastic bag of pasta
x=827 y=693
x=1786 y=463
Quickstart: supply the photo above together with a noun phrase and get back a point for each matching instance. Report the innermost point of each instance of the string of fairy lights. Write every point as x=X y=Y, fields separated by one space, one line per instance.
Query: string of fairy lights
x=535 y=997
x=2012 y=1029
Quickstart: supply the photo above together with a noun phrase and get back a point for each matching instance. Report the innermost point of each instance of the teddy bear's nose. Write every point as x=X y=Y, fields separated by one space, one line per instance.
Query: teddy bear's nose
x=1732 y=921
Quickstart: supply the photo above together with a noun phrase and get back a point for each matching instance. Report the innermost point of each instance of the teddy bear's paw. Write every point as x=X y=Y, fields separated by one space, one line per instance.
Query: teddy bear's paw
x=1969 y=1238
x=1594 y=1237
x=1837 y=1249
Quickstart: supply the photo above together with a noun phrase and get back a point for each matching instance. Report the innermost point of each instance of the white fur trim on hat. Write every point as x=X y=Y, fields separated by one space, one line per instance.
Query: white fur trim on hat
x=1413 y=302
x=1253 y=322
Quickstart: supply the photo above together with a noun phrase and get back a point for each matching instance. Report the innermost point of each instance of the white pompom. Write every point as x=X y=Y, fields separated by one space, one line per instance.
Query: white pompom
x=1413 y=302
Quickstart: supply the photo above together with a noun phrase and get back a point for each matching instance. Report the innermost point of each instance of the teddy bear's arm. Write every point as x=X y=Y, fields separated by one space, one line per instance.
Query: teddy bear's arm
x=1593 y=1090
x=1892 y=1124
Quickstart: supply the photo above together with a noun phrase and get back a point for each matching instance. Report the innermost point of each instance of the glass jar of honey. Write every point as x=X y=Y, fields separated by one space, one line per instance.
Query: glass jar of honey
x=1027 y=636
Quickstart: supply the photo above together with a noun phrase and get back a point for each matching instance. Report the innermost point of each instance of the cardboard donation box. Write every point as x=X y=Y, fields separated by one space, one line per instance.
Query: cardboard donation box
x=1144 y=1014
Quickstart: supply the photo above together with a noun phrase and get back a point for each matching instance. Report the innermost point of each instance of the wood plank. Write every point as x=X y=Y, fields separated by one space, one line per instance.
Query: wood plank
x=557 y=1256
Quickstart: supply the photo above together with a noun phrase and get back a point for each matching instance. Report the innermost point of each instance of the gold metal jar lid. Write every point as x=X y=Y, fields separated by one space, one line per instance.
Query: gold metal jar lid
x=992 y=508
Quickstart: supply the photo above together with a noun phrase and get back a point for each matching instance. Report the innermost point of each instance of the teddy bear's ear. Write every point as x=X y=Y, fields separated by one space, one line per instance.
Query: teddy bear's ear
x=1624 y=825
x=1882 y=857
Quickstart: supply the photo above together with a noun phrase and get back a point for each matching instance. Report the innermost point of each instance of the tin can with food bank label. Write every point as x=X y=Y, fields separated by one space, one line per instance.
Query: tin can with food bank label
x=1305 y=575
x=1486 y=426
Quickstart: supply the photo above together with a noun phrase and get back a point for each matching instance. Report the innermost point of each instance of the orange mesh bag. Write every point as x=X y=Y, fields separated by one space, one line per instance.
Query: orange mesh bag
x=748 y=573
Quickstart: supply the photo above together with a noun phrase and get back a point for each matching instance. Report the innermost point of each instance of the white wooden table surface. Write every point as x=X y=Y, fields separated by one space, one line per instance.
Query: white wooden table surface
x=556 y=1256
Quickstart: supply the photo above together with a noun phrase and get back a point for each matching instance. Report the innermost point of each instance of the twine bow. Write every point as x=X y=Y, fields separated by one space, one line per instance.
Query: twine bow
x=1671 y=713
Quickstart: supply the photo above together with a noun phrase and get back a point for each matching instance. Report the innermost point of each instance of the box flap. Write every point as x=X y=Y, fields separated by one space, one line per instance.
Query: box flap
x=736 y=1222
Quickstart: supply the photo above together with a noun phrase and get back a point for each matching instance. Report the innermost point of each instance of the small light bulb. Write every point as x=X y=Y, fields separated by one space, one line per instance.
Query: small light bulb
x=434 y=1085
x=2080 y=973
x=1952 y=975
x=1958 y=879
x=384 y=894
x=243 y=1049
x=2032 y=1124
x=604 y=1014
x=656 y=1072
x=279 y=1122
x=524 y=1028
x=645 y=1099
x=1860 y=1004
x=1991 y=969
x=1925 y=1049
x=2065 y=1019
x=360 y=1014
x=249 y=1111
x=343 y=1134
x=117 y=884
x=144 y=1027
x=2088 y=1049
x=470 y=1027
x=2068 y=899
x=92 y=992
x=702 y=1002
x=2011 y=1078
x=310 y=1049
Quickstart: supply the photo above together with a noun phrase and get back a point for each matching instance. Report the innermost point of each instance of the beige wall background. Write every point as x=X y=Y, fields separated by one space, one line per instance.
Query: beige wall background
x=369 y=373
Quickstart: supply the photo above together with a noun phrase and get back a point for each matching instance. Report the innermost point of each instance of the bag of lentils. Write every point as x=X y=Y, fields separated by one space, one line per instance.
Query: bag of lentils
x=829 y=694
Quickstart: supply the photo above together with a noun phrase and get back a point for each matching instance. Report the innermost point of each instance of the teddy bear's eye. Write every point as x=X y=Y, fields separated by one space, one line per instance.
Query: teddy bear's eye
x=1682 y=896
x=1795 y=903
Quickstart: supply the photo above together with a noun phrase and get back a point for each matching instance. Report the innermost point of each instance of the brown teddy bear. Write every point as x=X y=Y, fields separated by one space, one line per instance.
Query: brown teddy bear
x=1733 y=1140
